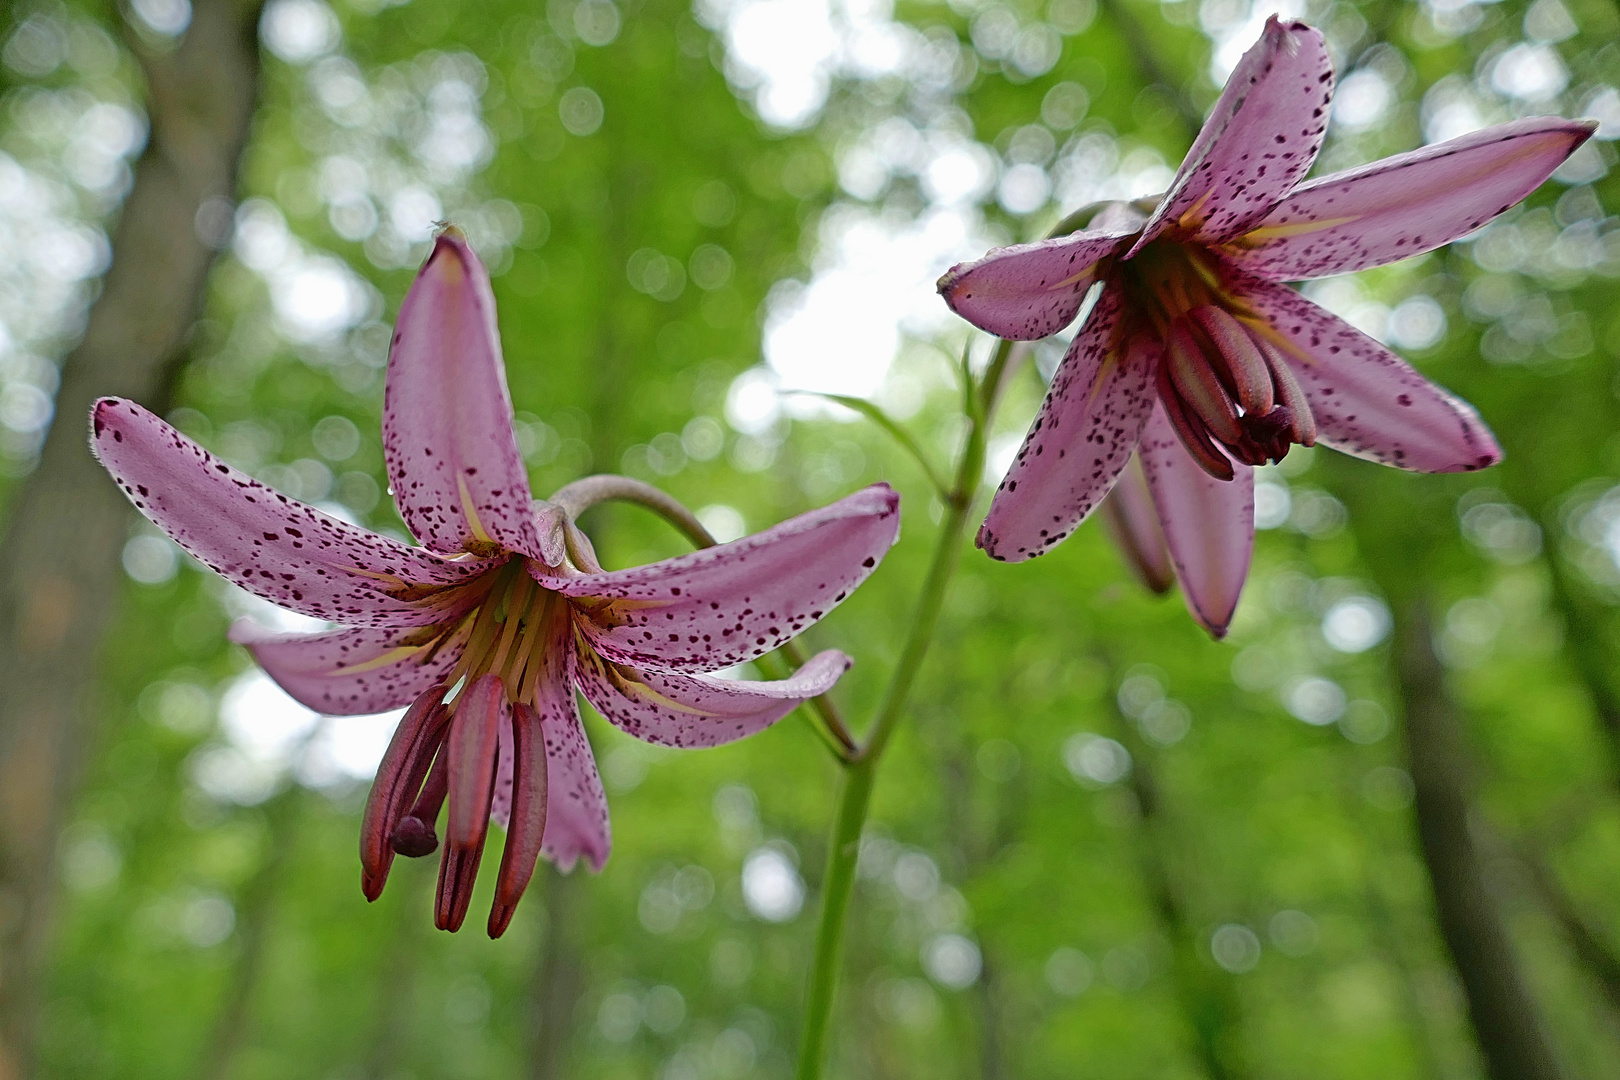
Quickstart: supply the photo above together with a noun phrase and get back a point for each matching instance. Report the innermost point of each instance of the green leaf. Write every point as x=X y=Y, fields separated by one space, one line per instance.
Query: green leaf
x=889 y=424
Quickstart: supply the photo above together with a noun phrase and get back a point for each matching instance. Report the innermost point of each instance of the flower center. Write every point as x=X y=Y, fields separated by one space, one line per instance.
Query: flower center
x=451 y=750
x=1223 y=380
x=508 y=636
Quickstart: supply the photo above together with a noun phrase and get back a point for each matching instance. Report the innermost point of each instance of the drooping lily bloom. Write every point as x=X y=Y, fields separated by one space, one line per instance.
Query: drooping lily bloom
x=487 y=628
x=1196 y=357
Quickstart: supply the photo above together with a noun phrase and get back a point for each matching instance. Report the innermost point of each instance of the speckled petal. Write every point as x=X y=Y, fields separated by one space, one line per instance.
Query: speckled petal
x=453 y=459
x=576 y=807
x=1367 y=401
x=1208 y=523
x=1133 y=525
x=1028 y=291
x=1406 y=204
x=1259 y=140
x=729 y=604
x=354 y=671
x=275 y=547
x=1081 y=439
x=698 y=710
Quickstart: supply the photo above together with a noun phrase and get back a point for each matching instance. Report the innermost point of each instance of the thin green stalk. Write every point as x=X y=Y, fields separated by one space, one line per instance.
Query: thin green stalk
x=838 y=884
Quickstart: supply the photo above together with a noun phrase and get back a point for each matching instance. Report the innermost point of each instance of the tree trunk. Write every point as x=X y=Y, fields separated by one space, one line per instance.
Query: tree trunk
x=59 y=558
x=1208 y=1002
x=1507 y=1022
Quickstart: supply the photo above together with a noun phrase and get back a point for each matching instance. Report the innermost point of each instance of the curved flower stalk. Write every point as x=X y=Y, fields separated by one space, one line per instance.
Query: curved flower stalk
x=1198 y=360
x=488 y=627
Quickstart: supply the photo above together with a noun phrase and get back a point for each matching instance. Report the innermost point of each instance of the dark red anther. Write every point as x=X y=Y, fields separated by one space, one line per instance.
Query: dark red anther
x=399 y=776
x=1191 y=431
x=527 y=826
x=1198 y=383
x=472 y=747
x=1289 y=393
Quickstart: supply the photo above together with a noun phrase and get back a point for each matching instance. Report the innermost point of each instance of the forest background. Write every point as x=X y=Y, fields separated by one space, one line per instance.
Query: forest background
x=1104 y=845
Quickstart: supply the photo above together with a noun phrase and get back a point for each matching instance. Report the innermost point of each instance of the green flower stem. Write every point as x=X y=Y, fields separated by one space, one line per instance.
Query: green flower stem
x=838 y=884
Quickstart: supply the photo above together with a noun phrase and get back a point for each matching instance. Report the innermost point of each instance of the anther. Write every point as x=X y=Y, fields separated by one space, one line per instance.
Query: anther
x=1246 y=368
x=1195 y=380
x=1193 y=434
x=1302 y=422
x=527 y=826
x=472 y=747
x=399 y=777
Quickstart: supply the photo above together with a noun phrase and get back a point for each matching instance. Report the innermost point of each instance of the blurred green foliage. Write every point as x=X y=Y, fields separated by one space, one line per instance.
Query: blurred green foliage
x=638 y=212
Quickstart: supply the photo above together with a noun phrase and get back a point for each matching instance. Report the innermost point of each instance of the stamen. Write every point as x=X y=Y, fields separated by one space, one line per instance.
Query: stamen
x=1193 y=435
x=527 y=826
x=472 y=747
x=399 y=777
x=1241 y=358
x=485 y=626
x=526 y=658
x=516 y=601
x=547 y=637
x=1196 y=382
x=1302 y=422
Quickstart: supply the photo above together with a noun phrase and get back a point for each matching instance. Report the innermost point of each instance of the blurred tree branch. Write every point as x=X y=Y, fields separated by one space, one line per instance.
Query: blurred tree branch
x=1591 y=661
x=1148 y=66
x=1208 y=1003
x=1587 y=940
x=257 y=907
x=59 y=559
x=1507 y=1021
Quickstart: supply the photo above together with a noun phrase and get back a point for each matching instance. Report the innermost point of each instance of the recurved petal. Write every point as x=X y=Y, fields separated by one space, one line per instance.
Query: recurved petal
x=1028 y=291
x=288 y=553
x=1259 y=140
x=1367 y=401
x=576 y=807
x=354 y=670
x=1081 y=439
x=1208 y=523
x=1133 y=524
x=698 y=710
x=453 y=459
x=729 y=604
x=1406 y=204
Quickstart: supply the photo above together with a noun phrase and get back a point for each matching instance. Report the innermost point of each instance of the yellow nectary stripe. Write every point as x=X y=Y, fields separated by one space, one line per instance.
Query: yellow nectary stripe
x=471 y=512
x=1074 y=279
x=630 y=686
x=1297 y=228
x=1190 y=220
x=392 y=656
x=1264 y=328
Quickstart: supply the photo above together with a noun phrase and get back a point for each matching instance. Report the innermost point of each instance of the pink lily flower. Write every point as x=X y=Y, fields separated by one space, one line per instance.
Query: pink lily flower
x=1198 y=360
x=488 y=627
